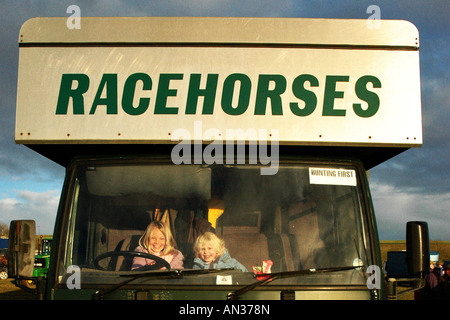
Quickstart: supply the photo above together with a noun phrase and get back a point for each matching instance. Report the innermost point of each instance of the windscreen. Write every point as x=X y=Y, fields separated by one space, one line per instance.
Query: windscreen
x=230 y=219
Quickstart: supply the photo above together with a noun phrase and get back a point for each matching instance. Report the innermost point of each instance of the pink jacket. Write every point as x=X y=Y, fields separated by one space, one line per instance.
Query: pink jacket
x=175 y=259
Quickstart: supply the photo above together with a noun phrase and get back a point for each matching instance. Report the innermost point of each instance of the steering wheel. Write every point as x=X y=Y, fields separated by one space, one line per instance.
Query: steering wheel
x=159 y=262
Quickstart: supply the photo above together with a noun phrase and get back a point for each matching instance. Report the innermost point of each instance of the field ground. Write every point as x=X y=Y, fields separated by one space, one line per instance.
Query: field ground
x=8 y=291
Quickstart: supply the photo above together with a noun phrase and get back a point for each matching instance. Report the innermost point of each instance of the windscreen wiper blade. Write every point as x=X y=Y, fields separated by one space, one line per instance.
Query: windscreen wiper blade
x=166 y=274
x=174 y=273
x=268 y=277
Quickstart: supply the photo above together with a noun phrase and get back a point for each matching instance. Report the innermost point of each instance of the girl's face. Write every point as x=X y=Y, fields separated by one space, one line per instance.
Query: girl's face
x=157 y=241
x=208 y=253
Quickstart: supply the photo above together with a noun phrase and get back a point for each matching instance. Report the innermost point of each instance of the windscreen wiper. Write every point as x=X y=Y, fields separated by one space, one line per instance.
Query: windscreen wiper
x=166 y=274
x=268 y=277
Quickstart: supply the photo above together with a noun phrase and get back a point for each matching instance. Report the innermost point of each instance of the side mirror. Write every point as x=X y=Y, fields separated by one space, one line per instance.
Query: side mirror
x=417 y=248
x=21 y=246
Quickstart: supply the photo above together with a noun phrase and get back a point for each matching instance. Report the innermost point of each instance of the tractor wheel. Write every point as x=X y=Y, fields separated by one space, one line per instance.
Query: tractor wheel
x=3 y=275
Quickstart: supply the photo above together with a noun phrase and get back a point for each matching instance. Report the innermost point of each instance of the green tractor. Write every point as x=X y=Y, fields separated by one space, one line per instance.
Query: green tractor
x=42 y=259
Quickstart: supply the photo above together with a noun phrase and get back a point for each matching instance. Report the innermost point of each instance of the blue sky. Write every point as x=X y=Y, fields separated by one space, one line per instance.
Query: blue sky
x=411 y=186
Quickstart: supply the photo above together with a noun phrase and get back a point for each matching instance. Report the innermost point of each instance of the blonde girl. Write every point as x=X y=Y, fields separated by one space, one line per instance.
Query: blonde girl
x=210 y=253
x=158 y=240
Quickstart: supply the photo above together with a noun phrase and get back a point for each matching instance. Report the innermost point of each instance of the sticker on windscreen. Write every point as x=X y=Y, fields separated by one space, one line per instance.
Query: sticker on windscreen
x=330 y=176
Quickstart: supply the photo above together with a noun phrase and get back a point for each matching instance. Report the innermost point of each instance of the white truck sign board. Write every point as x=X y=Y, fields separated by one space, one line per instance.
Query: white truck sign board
x=310 y=85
